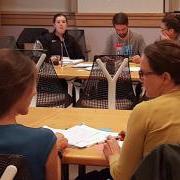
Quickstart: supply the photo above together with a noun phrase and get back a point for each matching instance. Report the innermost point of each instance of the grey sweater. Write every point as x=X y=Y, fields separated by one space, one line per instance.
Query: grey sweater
x=133 y=45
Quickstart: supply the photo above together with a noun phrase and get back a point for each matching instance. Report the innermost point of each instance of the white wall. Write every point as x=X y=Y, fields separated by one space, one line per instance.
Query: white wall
x=35 y=5
x=128 y=6
x=89 y=6
x=95 y=37
x=175 y=5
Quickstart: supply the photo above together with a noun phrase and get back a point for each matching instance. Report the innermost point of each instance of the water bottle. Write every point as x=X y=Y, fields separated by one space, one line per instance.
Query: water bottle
x=37 y=46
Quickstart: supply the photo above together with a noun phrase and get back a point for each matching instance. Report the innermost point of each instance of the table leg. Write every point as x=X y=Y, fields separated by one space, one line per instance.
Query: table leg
x=65 y=171
x=81 y=170
x=70 y=87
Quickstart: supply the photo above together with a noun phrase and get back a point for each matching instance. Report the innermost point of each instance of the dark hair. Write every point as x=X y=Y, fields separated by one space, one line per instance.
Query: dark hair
x=172 y=21
x=120 y=18
x=57 y=15
x=164 y=56
x=16 y=73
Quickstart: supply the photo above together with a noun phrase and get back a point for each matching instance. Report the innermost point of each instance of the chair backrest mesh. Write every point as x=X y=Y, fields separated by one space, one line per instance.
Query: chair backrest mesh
x=50 y=91
x=96 y=89
x=31 y=54
x=162 y=163
x=23 y=172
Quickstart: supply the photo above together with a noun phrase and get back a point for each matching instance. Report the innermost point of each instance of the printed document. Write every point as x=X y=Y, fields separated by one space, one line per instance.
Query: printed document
x=83 y=135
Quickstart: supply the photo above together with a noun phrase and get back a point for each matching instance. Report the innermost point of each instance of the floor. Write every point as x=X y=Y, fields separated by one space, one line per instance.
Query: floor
x=73 y=170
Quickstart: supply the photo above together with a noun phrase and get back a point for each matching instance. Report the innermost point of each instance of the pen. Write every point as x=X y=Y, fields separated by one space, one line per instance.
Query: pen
x=120 y=136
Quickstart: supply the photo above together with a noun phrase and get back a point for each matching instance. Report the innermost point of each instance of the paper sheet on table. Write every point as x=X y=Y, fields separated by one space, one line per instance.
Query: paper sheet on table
x=120 y=143
x=67 y=60
x=134 y=69
x=88 y=68
x=83 y=135
x=83 y=65
x=62 y=131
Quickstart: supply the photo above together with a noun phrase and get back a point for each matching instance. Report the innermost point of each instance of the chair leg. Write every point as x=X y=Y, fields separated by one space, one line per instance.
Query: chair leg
x=81 y=170
x=70 y=87
x=65 y=172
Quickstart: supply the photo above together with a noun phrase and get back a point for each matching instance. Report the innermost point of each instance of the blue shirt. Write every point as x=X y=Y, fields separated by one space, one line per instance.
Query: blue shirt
x=34 y=144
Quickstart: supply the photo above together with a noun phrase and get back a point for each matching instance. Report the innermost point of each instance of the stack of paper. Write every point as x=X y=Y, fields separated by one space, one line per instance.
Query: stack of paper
x=67 y=60
x=83 y=135
x=134 y=69
x=82 y=65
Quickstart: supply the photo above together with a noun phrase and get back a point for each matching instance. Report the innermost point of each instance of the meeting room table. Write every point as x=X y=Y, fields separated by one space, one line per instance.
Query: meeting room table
x=71 y=73
x=63 y=118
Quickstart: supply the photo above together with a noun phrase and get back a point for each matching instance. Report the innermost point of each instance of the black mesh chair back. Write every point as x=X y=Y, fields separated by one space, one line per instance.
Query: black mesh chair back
x=95 y=94
x=161 y=164
x=19 y=162
x=30 y=35
x=79 y=36
x=31 y=54
x=50 y=90
x=7 y=42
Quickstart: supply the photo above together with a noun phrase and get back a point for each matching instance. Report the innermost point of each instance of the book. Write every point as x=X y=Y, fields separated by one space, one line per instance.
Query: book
x=84 y=136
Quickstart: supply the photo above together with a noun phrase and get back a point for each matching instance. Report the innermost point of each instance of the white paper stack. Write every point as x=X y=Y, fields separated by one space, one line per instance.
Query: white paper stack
x=83 y=135
x=67 y=60
x=83 y=65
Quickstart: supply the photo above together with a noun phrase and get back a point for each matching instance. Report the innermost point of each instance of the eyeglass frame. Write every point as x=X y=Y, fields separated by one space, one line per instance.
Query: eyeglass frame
x=164 y=29
x=142 y=74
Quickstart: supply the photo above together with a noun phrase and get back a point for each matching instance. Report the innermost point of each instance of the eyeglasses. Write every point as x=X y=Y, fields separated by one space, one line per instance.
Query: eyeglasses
x=164 y=29
x=142 y=74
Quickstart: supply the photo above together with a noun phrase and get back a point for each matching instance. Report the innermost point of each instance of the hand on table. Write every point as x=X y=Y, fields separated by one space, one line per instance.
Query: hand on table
x=62 y=142
x=111 y=147
x=55 y=59
x=136 y=59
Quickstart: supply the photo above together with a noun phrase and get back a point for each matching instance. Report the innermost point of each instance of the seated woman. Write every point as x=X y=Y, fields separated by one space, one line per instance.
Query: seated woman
x=59 y=42
x=152 y=122
x=170 y=27
x=39 y=146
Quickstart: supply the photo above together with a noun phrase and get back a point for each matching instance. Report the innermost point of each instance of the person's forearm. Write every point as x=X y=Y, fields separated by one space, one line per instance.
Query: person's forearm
x=114 y=166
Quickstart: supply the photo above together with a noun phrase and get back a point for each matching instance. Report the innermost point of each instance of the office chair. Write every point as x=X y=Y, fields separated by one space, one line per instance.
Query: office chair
x=29 y=36
x=38 y=66
x=9 y=173
x=7 y=42
x=118 y=94
x=50 y=89
x=161 y=164
x=13 y=166
x=79 y=36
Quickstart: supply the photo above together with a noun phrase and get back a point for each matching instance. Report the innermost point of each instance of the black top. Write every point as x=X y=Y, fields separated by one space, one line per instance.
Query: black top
x=55 y=46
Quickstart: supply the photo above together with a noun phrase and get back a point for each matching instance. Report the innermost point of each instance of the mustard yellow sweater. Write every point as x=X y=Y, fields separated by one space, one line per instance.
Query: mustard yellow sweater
x=151 y=123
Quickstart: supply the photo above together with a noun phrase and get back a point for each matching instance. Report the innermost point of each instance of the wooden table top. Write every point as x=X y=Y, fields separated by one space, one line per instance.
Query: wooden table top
x=68 y=117
x=68 y=72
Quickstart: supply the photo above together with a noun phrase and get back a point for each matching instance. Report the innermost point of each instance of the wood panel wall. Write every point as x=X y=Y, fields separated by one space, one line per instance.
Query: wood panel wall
x=78 y=19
